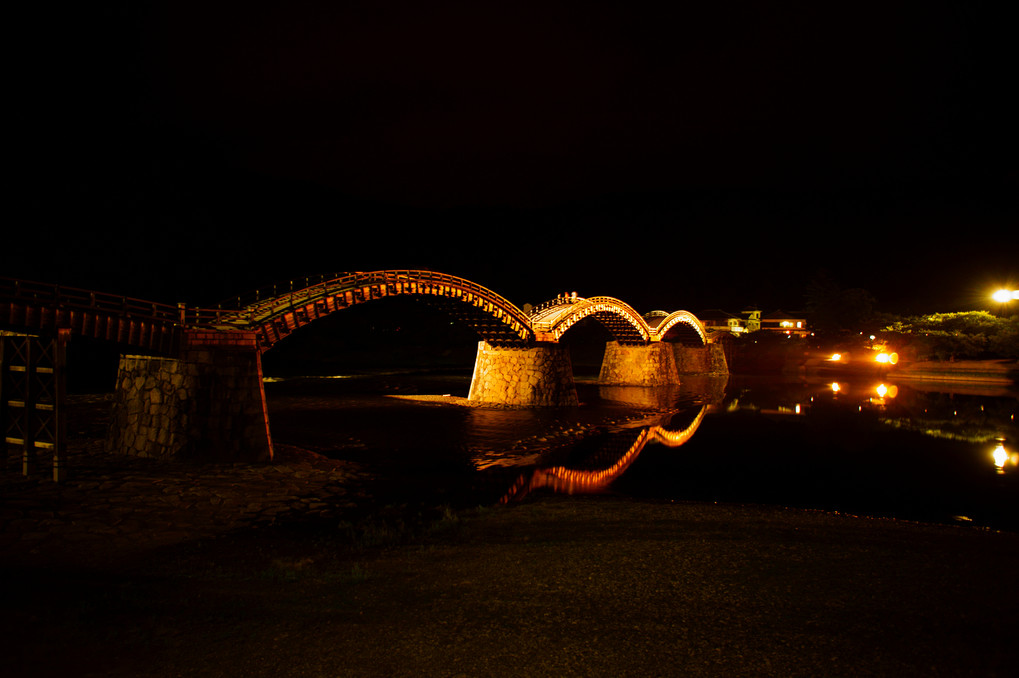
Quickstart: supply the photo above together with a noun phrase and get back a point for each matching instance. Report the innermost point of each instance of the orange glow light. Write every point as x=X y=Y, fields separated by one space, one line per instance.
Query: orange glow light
x=889 y=391
x=1000 y=456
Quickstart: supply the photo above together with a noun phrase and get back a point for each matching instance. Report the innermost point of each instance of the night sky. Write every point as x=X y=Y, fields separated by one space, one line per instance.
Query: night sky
x=689 y=157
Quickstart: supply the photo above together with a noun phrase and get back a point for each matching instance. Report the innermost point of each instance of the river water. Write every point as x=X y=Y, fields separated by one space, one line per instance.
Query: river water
x=921 y=452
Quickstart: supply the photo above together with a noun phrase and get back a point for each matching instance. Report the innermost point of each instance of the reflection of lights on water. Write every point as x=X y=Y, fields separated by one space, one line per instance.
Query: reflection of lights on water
x=273 y=380
x=889 y=391
x=835 y=357
x=883 y=392
x=835 y=387
x=1002 y=456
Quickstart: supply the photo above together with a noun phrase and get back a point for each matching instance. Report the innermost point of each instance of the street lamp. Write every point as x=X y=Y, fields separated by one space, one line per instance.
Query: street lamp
x=1004 y=296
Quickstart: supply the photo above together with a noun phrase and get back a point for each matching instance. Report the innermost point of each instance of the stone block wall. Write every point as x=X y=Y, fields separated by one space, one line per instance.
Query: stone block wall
x=150 y=417
x=537 y=376
x=650 y=365
x=208 y=404
x=708 y=359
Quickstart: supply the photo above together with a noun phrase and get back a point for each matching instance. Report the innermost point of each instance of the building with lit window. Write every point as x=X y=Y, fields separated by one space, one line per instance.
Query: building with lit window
x=753 y=320
x=717 y=320
x=783 y=321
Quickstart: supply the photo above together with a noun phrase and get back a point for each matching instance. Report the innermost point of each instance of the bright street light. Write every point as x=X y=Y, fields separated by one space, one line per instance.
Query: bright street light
x=1004 y=296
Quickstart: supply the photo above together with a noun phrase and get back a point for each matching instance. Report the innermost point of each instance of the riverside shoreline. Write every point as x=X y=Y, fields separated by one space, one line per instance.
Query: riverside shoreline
x=137 y=567
x=999 y=372
x=973 y=373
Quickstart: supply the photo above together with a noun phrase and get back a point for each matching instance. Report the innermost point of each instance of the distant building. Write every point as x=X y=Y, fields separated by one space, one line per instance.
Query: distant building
x=786 y=322
x=753 y=320
x=717 y=320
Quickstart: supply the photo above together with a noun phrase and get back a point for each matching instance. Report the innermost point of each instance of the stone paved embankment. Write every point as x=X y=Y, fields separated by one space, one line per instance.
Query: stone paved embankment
x=115 y=507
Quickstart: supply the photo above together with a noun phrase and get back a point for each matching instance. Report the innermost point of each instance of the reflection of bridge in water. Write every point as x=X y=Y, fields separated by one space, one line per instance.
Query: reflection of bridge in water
x=620 y=450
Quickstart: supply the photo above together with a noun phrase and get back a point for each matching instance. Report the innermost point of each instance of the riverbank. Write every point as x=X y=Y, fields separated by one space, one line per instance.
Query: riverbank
x=591 y=586
x=139 y=567
x=998 y=372
x=971 y=374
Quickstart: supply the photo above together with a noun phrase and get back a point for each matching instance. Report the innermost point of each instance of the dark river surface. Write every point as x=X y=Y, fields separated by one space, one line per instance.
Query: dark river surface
x=922 y=452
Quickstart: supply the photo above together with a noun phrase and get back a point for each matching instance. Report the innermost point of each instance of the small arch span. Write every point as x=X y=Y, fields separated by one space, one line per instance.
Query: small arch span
x=680 y=326
x=553 y=319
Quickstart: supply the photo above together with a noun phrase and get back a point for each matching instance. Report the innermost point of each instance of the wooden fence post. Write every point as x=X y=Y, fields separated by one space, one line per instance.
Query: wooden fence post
x=60 y=405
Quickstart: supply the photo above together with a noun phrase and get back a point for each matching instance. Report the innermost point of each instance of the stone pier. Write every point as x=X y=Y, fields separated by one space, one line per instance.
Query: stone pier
x=659 y=363
x=207 y=404
x=647 y=365
x=535 y=376
x=708 y=360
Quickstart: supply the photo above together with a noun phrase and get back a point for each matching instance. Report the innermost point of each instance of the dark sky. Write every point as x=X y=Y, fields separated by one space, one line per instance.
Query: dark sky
x=714 y=156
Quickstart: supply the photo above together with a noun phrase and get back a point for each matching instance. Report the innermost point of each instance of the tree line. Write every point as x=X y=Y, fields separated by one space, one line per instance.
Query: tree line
x=969 y=335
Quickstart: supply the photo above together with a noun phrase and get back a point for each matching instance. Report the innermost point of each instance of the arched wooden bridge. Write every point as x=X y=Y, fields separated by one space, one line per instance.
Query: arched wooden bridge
x=197 y=388
x=275 y=313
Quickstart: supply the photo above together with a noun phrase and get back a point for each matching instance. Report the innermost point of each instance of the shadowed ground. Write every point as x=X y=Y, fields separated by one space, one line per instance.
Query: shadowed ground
x=557 y=586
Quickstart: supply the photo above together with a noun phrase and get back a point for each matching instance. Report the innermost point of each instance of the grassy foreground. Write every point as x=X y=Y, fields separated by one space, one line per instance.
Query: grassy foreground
x=557 y=586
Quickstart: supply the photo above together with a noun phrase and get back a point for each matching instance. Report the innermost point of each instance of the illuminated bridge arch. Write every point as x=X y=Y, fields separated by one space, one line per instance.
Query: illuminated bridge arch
x=679 y=326
x=495 y=319
x=552 y=319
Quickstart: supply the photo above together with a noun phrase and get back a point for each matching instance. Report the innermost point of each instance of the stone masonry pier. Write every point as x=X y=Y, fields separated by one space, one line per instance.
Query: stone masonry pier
x=658 y=364
x=208 y=403
x=649 y=365
x=535 y=376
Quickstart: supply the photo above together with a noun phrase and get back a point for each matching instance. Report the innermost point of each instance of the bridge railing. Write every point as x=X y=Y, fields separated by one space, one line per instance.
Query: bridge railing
x=278 y=289
x=316 y=286
x=50 y=295
x=230 y=312
x=61 y=296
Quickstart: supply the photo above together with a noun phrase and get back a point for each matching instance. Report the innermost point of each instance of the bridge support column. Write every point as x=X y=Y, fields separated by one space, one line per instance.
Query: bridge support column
x=536 y=376
x=648 y=365
x=709 y=359
x=207 y=404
